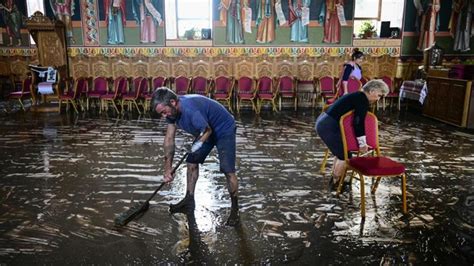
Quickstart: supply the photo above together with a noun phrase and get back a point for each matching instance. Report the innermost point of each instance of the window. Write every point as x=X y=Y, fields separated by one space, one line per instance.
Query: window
x=186 y=18
x=33 y=6
x=367 y=9
x=376 y=11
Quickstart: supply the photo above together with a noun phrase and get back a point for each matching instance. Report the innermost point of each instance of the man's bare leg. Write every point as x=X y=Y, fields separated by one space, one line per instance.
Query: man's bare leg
x=233 y=188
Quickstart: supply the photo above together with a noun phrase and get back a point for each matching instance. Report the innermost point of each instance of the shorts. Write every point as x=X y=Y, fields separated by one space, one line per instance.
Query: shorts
x=329 y=131
x=225 y=148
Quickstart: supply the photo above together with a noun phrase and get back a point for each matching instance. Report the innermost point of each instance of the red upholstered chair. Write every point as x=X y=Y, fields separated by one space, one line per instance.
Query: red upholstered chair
x=222 y=88
x=393 y=91
x=326 y=88
x=353 y=85
x=200 y=85
x=112 y=97
x=24 y=93
x=82 y=87
x=374 y=166
x=69 y=92
x=364 y=80
x=100 y=86
x=131 y=96
x=266 y=92
x=182 y=85
x=158 y=82
x=246 y=92
x=286 y=88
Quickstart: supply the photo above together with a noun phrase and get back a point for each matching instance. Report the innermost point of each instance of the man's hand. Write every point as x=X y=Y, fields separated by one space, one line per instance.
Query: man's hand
x=196 y=146
x=168 y=176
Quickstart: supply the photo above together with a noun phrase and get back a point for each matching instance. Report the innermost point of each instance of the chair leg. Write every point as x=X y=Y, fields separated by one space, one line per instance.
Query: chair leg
x=74 y=106
x=375 y=185
x=136 y=105
x=279 y=103
x=404 y=193
x=323 y=163
x=362 y=196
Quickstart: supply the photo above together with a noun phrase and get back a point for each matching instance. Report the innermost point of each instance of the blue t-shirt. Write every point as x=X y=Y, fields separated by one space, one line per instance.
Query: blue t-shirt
x=198 y=112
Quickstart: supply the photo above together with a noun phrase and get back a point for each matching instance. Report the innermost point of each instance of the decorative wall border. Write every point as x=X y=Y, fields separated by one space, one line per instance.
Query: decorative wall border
x=211 y=51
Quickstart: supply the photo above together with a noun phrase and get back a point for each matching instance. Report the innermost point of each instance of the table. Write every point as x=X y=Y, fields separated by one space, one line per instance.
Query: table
x=413 y=90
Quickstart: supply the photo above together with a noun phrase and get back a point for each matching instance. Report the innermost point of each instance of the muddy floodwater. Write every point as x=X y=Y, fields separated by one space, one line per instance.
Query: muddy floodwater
x=64 y=178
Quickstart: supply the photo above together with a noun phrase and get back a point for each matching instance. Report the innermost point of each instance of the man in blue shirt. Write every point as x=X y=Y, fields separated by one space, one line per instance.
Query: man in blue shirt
x=212 y=125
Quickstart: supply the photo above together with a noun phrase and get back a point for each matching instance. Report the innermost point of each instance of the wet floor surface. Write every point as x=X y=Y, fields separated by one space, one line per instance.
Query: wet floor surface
x=64 y=178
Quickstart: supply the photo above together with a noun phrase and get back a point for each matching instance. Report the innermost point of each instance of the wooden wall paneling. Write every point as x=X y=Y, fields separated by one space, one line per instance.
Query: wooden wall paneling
x=285 y=67
x=81 y=68
x=101 y=68
x=264 y=68
x=19 y=68
x=222 y=68
x=244 y=68
x=181 y=67
x=121 y=68
x=305 y=89
x=385 y=66
x=160 y=68
x=201 y=68
x=4 y=66
x=140 y=69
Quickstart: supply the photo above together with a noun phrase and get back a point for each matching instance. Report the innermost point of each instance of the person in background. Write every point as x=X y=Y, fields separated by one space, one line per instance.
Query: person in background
x=327 y=124
x=351 y=69
x=212 y=125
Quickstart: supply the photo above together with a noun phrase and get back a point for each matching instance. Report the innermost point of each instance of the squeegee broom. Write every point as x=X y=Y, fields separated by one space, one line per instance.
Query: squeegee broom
x=142 y=206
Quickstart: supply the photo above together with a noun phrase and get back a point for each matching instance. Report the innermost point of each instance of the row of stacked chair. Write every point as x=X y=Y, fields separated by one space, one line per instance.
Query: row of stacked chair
x=129 y=93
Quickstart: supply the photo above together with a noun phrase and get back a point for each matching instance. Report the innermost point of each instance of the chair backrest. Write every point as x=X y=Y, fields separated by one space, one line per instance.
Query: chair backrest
x=182 y=84
x=120 y=86
x=26 y=86
x=245 y=85
x=199 y=85
x=265 y=85
x=364 y=80
x=326 y=84
x=353 y=85
x=158 y=82
x=388 y=81
x=82 y=85
x=286 y=85
x=136 y=83
x=346 y=124
x=100 y=84
x=223 y=85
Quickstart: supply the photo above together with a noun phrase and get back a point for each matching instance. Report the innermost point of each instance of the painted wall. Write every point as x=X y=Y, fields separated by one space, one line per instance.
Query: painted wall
x=442 y=36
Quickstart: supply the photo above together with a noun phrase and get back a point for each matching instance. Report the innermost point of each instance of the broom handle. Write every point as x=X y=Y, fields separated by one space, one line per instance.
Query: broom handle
x=172 y=172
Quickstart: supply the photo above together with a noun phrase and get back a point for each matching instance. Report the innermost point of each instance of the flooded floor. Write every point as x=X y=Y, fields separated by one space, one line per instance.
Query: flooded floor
x=64 y=178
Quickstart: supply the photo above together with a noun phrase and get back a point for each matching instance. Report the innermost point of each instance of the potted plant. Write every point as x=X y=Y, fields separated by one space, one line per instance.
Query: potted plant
x=366 y=30
x=189 y=34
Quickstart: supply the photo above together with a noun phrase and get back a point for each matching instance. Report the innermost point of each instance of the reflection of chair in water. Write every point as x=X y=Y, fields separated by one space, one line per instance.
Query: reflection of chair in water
x=24 y=93
x=377 y=166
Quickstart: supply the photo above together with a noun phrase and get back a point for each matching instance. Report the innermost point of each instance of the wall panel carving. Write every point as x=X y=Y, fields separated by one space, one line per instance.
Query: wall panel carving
x=201 y=68
x=265 y=68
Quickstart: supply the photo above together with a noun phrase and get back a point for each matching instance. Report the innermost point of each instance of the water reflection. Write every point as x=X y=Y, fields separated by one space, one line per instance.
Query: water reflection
x=64 y=178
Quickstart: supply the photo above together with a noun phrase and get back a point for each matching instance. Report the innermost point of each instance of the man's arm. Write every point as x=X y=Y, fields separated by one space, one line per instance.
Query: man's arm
x=201 y=139
x=169 y=148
